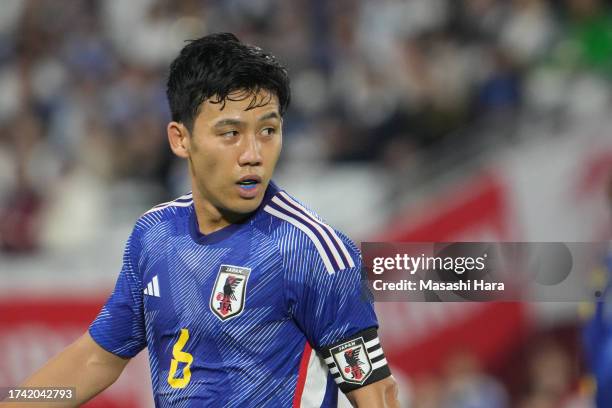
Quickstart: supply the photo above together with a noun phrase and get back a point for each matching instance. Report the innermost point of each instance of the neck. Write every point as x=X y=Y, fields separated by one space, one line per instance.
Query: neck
x=211 y=218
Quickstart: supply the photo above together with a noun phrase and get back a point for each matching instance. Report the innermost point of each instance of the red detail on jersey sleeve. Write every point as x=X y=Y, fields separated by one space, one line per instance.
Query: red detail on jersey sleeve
x=301 y=381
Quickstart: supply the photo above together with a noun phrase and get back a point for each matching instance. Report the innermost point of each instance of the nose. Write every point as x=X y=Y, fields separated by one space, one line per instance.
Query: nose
x=251 y=152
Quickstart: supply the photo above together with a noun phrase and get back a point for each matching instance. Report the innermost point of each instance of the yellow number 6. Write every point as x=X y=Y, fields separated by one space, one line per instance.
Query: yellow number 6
x=180 y=357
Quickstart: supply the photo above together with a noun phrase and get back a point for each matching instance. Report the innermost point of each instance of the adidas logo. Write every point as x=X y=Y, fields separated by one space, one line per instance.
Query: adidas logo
x=153 y=287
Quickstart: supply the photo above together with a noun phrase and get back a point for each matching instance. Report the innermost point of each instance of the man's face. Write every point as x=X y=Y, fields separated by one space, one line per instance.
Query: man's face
x=234 y=150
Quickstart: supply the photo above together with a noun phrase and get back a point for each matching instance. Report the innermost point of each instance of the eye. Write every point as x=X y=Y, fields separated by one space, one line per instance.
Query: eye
x=229 y=134
x=269 y=131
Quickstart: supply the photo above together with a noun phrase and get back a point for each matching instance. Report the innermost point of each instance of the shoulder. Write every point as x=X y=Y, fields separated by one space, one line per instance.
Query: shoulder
x=302 y=234
x=163 y=213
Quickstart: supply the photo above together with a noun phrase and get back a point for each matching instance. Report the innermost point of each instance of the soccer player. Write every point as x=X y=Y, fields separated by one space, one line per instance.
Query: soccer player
x=598 y=343
x=597 y=336
x=242 y=295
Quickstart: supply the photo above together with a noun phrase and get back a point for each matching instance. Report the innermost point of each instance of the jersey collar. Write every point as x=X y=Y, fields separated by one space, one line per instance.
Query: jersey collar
x=228 y=231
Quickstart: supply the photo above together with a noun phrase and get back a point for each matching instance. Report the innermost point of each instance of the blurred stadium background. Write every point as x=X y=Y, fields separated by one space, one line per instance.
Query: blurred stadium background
x=452 y=120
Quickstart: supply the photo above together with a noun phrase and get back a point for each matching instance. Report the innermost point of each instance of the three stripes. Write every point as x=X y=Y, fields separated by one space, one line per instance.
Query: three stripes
x=183 y=201
x=332 y=250
x=152 y=288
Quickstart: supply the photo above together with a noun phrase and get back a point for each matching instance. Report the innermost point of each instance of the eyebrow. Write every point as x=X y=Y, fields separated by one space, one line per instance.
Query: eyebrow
x=235 y=122
x=227 y=122
x=271 y=115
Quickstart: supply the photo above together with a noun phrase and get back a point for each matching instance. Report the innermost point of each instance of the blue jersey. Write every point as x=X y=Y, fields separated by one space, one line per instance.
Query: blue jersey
x=267 y=312
x=598 y=342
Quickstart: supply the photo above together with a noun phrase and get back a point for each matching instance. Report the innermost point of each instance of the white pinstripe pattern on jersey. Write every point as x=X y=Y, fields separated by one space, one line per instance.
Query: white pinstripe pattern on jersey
x=156 y=236
x=244 y=343
x=335 y=335
x=324 y=286
x=187 y=270
x=297 y=223
x=237 y=337
x=178 y=202
x=317 y=226
x=293 y=240
x=150 y=219
x=237 y=350
x=267 y=255
x=131 y=278
x=150 y=317
x=327 y=227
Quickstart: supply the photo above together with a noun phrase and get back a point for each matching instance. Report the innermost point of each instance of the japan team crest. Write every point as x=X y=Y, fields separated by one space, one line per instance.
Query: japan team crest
x=352 y=361
x=227 y=298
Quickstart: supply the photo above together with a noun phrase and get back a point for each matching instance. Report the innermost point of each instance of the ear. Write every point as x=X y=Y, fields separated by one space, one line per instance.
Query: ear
x=178 y=137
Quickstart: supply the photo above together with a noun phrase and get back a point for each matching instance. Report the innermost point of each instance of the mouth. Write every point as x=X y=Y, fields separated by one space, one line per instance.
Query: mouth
x=249 y=186
x=249 y=181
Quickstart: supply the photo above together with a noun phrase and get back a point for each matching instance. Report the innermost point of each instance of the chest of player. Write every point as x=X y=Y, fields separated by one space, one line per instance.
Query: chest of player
x=212 y=289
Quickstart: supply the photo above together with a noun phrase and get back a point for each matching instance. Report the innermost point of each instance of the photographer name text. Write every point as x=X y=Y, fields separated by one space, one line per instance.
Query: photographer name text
x=429 y=284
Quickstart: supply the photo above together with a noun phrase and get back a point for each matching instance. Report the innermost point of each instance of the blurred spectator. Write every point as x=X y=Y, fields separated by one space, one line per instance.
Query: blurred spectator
x=20 y=210
x=589 y=35
x=529 y=31
x=467 y=386
x=550 y=377
x=427 y=392
x=392 y=82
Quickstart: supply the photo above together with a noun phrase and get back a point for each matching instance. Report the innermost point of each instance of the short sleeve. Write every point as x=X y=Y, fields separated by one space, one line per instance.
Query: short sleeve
x=335 y=311
x=119 y=327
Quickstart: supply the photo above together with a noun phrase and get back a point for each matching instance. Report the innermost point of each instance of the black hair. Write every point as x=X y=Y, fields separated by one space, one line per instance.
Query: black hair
x=212 y=67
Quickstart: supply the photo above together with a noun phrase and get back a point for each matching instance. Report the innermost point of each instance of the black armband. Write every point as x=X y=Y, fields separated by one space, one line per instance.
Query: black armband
x=356 y=361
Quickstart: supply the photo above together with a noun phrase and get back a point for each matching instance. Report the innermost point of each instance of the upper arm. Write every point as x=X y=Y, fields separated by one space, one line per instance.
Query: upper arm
x=336 y=313
x=381 y=394
x=119 y=327
x=326 y=304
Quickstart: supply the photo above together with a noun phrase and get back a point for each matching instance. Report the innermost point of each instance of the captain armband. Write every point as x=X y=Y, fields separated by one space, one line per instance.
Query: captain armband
x=356 y=361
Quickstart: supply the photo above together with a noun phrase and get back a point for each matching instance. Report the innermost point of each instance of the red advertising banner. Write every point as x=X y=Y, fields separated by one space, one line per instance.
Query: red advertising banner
x=420 y=337
x=32 y=330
